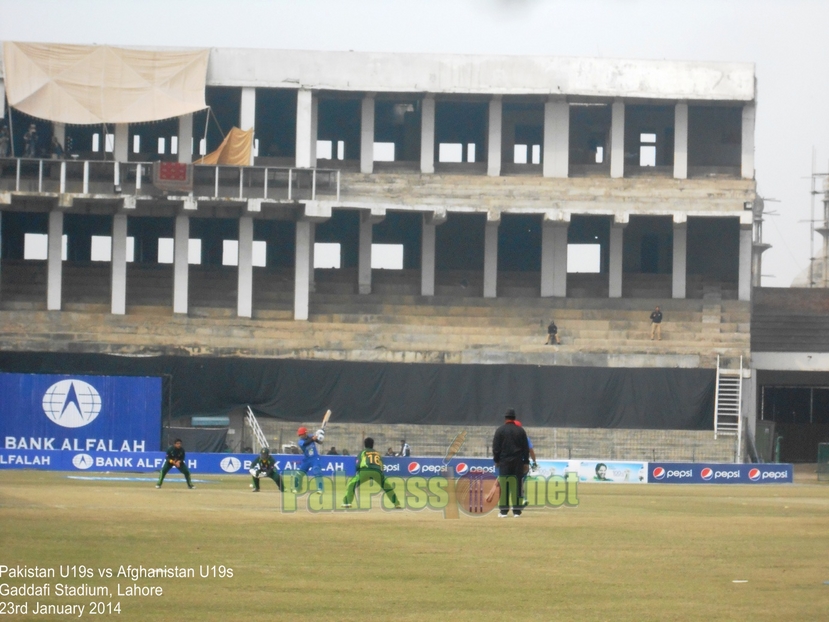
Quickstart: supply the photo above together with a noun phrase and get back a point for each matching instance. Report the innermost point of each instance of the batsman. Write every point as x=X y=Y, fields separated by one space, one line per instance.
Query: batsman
x=265 y=466
x=369 y=468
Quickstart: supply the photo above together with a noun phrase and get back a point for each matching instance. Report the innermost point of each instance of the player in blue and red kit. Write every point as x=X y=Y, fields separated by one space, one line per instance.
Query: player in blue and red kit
x=311 y=461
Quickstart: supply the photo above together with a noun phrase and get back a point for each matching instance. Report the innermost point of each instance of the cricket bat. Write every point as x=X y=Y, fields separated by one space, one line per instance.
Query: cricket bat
x=326 y=418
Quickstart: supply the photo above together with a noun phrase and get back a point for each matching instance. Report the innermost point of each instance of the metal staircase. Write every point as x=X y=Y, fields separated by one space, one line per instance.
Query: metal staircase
x=727 y=400
x=256 y=430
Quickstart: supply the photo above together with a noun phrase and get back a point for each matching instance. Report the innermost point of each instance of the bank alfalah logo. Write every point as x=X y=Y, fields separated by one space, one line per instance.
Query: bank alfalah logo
x=72 y=403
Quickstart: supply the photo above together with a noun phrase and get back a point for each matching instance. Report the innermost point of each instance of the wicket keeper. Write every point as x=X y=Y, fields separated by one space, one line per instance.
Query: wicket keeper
x=369 y=467
x=265 y=466
x=175 y=458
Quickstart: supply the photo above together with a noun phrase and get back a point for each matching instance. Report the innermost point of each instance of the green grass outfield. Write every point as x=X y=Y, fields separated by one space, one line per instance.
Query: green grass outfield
x=627 y=552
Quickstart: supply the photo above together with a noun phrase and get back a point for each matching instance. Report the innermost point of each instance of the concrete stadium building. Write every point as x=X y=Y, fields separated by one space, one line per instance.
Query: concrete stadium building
x=405 y=229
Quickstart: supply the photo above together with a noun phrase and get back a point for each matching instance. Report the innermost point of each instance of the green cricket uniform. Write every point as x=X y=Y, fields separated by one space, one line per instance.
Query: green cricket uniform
x=369 y=467
x=175 y=455
x=266 y=465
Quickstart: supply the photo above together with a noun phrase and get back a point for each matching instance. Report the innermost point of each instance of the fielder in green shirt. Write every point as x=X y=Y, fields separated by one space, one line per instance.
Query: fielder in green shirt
x=369 y=467
x=175 y=458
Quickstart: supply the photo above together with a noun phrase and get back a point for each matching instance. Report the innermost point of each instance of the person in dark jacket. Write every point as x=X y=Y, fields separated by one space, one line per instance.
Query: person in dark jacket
x=656 y=324
x=511 y=453
x=552 y=334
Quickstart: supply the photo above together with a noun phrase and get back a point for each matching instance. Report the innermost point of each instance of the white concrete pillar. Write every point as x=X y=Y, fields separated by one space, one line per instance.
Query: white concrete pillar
x=364 y=255
x=244 y=290
x=181 y=265
x=185 y=138
x=560 y=259
x=747 y=160
x=491 y=258
x=367 y=135
x=118 y=290
x=427 y=251
x=367 y=220
x=315 y=120
x=680 y=245
x=427 y=135
x=681 y=140
x=556 y=156
x=744 y=270
x=617 y=140
x=312 y=240
x=304 y=128
x=54 y=261
x=493 y=162
x=121 y=149
x=302 y=266
x=554 y=258
x=617 y=237
x=247 y=113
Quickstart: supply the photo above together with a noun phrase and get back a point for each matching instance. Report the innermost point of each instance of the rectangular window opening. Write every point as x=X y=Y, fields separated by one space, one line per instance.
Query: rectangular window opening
x=327 y=255
x=584 y=258
x=384 y=152
x=470 y=152
x=260 y=254
x=341 y=150
x=166 y=246
x=519 y=154
x=386 y=256
x=174 y=145
x=599 y=155
x=323 y=149
x=450 y=152
x=110 y=143
x=136 y=144
x=230 y=252
x=162 y=146
x=101 y=248
x=536 y=154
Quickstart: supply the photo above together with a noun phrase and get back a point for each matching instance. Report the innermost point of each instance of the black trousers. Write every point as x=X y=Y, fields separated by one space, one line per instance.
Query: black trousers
x=511 y=479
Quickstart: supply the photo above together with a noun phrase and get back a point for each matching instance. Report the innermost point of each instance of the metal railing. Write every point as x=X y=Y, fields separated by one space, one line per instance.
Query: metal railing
x=220 y=182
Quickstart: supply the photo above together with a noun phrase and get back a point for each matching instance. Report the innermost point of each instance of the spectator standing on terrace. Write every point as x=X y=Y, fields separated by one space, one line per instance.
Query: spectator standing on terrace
x=405 y=449
x=656 y=324
x=552 y=334
x=30 y=142
x=5 y=142
x=56 y=149
x=511 y=454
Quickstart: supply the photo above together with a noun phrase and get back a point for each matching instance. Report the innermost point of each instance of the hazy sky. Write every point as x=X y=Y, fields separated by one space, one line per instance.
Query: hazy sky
x=786 y=39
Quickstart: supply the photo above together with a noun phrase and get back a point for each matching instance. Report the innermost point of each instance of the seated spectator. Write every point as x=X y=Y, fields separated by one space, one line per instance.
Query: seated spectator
x=332 y=451
x=552 y=334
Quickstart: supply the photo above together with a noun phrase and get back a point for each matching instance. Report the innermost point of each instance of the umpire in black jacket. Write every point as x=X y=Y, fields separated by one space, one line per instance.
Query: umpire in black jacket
x=511 y=452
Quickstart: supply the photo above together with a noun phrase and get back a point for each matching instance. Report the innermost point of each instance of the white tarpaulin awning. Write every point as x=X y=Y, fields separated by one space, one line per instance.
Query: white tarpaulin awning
x=93 y=84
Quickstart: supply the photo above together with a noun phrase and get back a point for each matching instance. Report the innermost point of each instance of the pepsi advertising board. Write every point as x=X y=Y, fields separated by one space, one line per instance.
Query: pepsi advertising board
x=701 y=473
x=112 y=414
x=217 y=463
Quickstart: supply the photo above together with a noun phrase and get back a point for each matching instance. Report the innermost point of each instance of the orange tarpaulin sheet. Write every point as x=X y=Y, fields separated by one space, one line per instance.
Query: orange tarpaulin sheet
x=235 y=149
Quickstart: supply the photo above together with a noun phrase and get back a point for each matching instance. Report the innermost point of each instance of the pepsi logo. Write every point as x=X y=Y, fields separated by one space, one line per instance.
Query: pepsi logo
x=462 y=468
x=707 y=473
x=414 y=468
x=659 y=473
x=754 y=475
